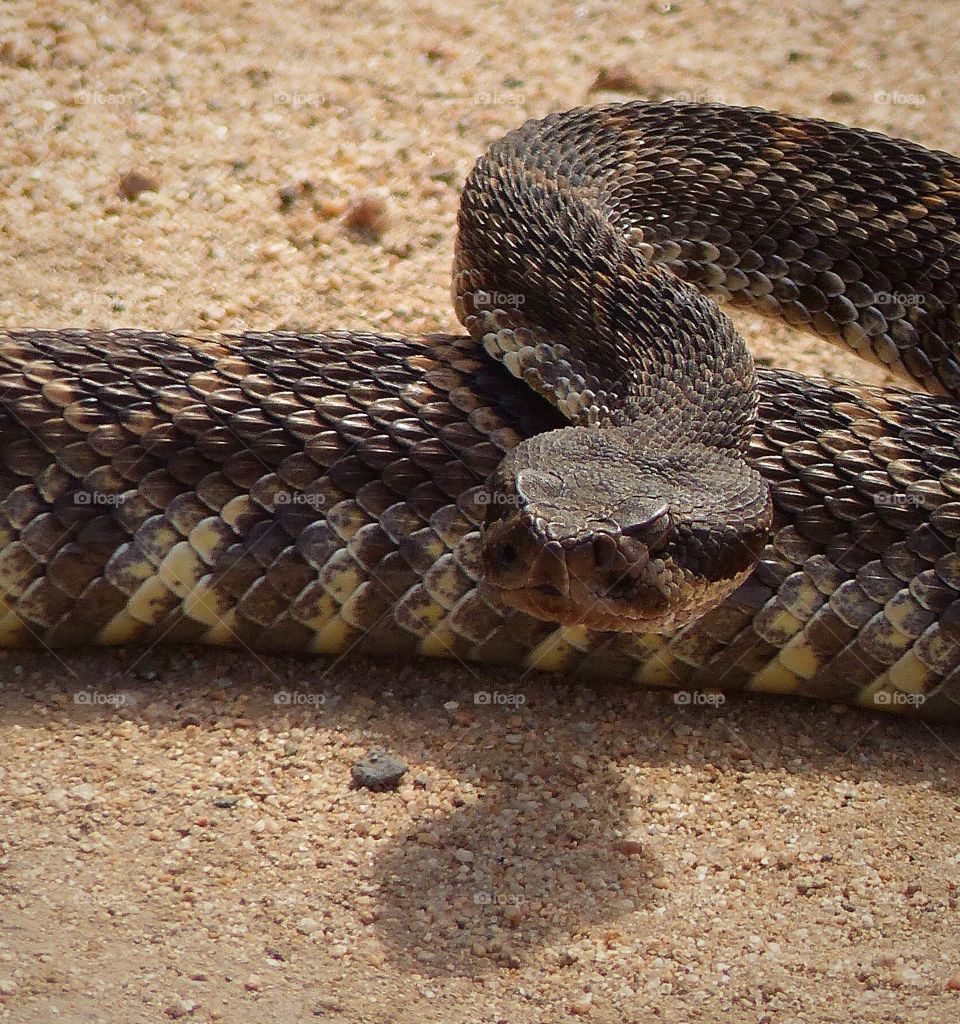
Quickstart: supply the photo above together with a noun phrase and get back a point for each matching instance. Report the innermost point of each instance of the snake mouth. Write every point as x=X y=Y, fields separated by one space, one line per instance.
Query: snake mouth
x=575 y=585
x=592 y=611
x=649 y=577
x=640 y=608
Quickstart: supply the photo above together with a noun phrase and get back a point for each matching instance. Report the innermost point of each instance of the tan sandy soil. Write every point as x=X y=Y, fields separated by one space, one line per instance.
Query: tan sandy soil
x=592 y=854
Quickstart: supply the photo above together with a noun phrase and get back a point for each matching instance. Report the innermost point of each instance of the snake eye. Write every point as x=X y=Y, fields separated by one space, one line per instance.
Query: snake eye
x=621 y=588
x=651 y=528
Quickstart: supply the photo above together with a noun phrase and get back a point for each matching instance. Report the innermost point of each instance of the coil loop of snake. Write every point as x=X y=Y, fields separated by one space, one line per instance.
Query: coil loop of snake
x=595 y=481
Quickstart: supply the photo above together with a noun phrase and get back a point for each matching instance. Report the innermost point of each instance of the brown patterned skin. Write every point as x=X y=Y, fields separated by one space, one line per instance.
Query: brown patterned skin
x=572 y=234
x=325 y=492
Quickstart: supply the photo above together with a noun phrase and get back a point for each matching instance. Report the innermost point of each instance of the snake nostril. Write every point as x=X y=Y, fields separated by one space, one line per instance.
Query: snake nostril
x=506 y=556
x=604 y=551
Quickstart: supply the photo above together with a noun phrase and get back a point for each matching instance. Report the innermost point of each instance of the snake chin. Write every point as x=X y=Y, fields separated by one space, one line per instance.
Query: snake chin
x=620 y=541
x=576 y=585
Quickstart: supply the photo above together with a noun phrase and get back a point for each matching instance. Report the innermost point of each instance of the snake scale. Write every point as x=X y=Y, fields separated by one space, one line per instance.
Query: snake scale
x=429 y=495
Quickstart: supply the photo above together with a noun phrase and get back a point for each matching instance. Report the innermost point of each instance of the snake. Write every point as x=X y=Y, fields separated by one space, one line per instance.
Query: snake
x=596 y=479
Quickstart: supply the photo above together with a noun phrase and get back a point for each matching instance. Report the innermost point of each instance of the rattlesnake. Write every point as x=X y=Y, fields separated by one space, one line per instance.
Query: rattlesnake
x=597 y=480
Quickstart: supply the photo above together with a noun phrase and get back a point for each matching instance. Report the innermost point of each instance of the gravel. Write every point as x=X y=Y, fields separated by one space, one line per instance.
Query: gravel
x=378 y=771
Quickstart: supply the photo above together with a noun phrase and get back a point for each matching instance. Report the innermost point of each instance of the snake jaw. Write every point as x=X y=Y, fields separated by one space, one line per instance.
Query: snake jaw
x=627 y=540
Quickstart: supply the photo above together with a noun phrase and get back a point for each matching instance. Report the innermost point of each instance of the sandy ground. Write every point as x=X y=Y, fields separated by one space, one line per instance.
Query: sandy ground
x=177 y=842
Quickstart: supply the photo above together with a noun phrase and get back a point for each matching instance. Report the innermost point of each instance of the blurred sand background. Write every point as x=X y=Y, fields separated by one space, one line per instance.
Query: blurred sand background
x=595 y=855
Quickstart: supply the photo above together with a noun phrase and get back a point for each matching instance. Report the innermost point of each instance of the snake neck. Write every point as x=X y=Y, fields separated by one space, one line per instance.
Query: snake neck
x=592 y=325
x=643 y=514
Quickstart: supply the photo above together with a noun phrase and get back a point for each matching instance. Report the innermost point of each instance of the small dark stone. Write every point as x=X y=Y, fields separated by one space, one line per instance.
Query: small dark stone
x=134 y=183
x=226 y=801
x=16 y=56
x=378 y=771
x=367 y=216
x=618 y=78
x=288 y=195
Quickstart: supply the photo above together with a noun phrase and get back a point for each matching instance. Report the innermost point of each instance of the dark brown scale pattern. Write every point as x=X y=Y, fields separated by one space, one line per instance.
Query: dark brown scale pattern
x=838 y=230
x=396 y=438
x=308 y=472
x=324 y=492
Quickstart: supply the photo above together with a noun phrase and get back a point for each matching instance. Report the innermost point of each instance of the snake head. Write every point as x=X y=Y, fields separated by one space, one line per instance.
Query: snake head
x=620 y=538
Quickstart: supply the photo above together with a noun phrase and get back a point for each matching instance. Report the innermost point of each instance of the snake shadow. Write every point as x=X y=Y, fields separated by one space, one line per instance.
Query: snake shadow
x=540 y=828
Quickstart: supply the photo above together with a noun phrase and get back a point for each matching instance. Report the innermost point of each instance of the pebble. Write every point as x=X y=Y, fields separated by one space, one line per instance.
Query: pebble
x=616 y=78
x=16 y=55
x=7 y=987
x=83 y=791
x=308 y=925
x=289 y=194
x=368 y=216
x=135 y=183
x=378 y=771
x=181 y=1008
x=953 y=982
x=903 y=975
x=581 y=1004
x=58 y=798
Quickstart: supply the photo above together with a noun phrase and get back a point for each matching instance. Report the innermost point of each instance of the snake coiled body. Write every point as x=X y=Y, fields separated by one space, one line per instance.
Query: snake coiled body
x=327 y=492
